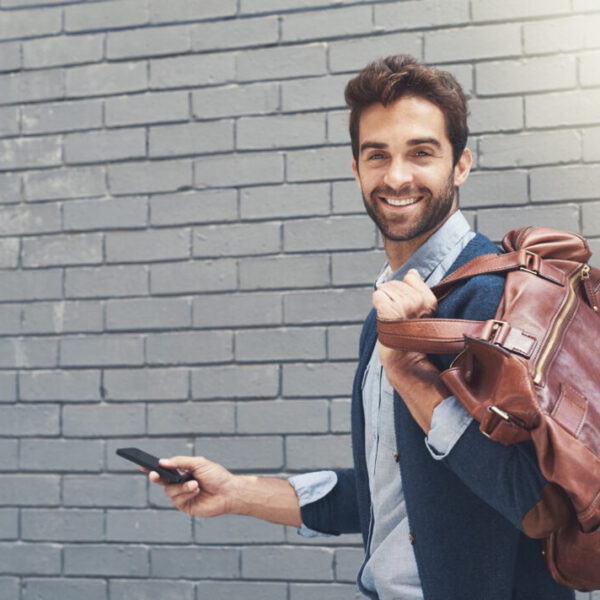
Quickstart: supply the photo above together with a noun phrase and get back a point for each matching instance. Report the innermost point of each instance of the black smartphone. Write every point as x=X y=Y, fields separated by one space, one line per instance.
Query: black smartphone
x=139 y=457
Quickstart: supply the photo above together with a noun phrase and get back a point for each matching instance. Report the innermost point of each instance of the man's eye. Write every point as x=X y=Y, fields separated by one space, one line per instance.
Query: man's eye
x=422 y=153
x=377 y=156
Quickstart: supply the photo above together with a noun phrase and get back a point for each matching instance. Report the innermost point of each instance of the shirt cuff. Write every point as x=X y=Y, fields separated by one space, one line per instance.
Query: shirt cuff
x=310 y=487
x=448 y=422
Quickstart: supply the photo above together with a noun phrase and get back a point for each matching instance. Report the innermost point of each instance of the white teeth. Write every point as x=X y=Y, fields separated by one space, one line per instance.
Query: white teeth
x=403 y=202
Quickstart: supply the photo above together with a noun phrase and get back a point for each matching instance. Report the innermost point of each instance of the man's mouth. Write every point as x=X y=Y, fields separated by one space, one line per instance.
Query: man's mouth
x=400 y=201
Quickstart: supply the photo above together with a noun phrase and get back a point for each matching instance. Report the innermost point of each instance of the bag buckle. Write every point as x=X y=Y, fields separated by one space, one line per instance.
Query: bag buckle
x=532 y=263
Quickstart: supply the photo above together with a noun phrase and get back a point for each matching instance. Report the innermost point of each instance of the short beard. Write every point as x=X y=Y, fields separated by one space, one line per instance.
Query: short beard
x=437 y=209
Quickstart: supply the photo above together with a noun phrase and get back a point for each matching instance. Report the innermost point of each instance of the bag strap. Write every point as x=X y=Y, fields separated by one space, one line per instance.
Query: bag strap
x=447 y=336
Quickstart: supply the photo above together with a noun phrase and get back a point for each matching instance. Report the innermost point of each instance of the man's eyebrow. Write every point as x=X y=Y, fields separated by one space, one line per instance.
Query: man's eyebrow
x=428 y=140
x=377 y=145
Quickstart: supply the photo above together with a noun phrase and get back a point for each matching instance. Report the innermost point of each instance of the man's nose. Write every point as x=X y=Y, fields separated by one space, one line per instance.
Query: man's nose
x=398 y=174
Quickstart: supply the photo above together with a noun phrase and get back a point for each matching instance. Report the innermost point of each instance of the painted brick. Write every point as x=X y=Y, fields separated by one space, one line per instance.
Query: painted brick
x=588 y=69
x=105 y=213
x=329 y=306
x=204 y=563
x=495 y=114
x=71 y=182
x=282 y=62
x=189 y=347
x=103 y=146
x=30 y=152
x=317 y=379
x=104 y=490
x=488 y=10
x=104 y=15
x=283 y=272
x=28 y=352
x=287 y=563
x=9 y=253
x=11 y=188
x=485 y=41
x=72 y=249
x=238 y=169
x=554 y=35
x=257 y=6
x=146 y=590
x=196 y=276
x=10 y=319
x=192 y=418
x=415 y=14
x=234 y=310
x=236 y=239
x=146 y=384
x=336 y=233
x=30 y=285
x=529 y=149
x=285 y=201
x=238 y=381
x=147 y=42
x=148 y=313
x=349 y=268
x=8 y=387
x=193 y=207
x=565 y=183
x=324 y=164
x=29 y=490
x=156 y=107
x=487 y=188
x=530 y=75
x=591 y=144
x=292 y=416
x=191 y=138
x=190 y=10
x=326 y=24
x=234 y=100
x=9 y=521
x=590 y=218
x=64 y=589
x=346 y=198
x=347 y=563
x=147 y=526
x=313 y=93
x=103 y=420
x=337 y=127
x=496 y=222
x=151 y=245
x=60 y=317
x=342 y=341
x=186 y=71
x=30 y=23
x=220 y=590
x=246 y=453
x=318 y=452
x=353 y=55
x=64 y=50
x=280 y=132
x=64 y=385
x=9 y=120
x=61 y=455
x=235 y=529
x=27 y=559
x=340 y=416
x=11 y=57
x=255 y=345
x=98 y=80
x=62 y=525
x=107 y=350
x=9 y=459
x=85 y=282
x=328 y=591
x=149 y=177
x=106 y=560
x=28 y=86
x=234 y=34
x=63 y=116
x=29 y=219
x=562 y=109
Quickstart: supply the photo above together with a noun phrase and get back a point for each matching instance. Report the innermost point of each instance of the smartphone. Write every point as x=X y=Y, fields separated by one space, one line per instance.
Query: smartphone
x=139 y=457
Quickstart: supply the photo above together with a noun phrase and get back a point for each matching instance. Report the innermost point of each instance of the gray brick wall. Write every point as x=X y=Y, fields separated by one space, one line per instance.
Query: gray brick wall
x=185 y=262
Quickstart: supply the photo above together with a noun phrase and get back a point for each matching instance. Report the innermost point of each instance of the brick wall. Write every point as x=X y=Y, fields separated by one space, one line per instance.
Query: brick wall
x=185 y=263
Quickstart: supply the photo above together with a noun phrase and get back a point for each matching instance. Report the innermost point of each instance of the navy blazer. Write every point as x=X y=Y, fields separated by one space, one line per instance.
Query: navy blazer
x=465 y=511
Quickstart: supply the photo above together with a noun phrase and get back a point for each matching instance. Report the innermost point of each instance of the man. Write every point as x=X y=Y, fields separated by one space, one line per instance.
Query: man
x=441 y=508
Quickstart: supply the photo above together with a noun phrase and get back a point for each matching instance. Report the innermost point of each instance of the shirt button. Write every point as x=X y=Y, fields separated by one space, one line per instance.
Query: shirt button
x=396 y=457
x=411 y=539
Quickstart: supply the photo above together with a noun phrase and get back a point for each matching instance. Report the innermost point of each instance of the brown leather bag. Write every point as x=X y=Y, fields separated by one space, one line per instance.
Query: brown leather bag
x=532 y=373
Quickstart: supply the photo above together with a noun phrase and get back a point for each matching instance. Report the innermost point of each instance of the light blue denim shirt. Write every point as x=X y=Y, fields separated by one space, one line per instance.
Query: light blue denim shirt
x=389 y=571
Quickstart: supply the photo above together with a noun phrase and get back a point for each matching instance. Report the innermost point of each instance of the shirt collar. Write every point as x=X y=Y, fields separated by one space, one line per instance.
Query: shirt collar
x=430 y=254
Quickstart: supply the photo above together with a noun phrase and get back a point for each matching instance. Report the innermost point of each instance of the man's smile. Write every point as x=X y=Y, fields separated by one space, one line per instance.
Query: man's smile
x=400 y=201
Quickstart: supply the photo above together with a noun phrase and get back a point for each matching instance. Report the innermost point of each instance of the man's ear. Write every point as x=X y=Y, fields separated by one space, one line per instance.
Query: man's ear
x=355 y=171
x=463 y=167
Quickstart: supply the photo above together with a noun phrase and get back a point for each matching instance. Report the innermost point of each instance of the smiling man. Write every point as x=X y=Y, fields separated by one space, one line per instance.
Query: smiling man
x=445 y=513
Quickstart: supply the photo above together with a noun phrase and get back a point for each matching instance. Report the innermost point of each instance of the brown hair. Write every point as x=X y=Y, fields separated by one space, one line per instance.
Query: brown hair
x=388 y=79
